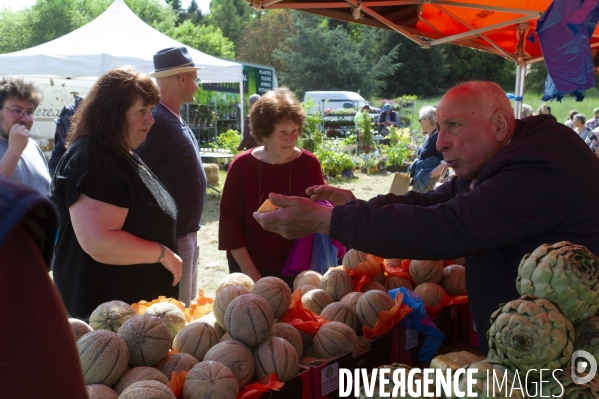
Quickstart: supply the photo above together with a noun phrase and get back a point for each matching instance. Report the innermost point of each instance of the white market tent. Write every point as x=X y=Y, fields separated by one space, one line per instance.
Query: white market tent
x=117 y=37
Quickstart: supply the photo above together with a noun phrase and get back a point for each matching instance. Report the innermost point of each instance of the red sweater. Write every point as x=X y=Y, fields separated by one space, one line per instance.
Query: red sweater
x=245 y=191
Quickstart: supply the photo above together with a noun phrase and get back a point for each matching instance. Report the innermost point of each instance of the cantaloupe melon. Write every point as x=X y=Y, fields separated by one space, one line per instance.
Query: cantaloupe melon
x=103 y=356
x=170 y=314
x=431 y=293
x=147 y=390
x=425 y=271
x=393 y=263
x=316 y=300
x=307 y=277
x=342 y=312
x=336 y=283
x=276 y=355
x=142 y=373
x=195 y=339
x=177 y=362
x=306 y=288
x=111 y=315
x=370 y=305
x=234 y=279
x=353 y=258
x=225 y=337
x=210 y=380
x=236 y=356
x=100 y=391
x=335 y=339
x=309 y=350
x=224 y=297
x=276 y=292
x=249 y=319
x=220 y=330
x=392 y=282
x=290 y=334
x=307 y=338
x=454 y=280
x=373 y=285
x=148 y=339
x=363 y=346
x=79 y=328
x=351 y=299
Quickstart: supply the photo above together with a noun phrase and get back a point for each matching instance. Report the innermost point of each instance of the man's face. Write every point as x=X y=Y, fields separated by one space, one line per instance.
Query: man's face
x=189 y=86
x=15 y=111
x=467 y=136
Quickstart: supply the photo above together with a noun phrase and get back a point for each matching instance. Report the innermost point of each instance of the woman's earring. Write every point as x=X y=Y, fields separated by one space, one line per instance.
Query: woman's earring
x=265 y=148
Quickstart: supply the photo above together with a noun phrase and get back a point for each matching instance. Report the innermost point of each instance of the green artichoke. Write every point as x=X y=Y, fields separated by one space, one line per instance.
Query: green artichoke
x=565 y=273
x=493 y=368
x=587 y=336
x=530 y=333
x=565 y=388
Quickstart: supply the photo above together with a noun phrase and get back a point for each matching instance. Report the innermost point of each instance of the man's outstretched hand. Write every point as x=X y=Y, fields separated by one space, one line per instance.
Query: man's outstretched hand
x=298 y=217
x=337 y=196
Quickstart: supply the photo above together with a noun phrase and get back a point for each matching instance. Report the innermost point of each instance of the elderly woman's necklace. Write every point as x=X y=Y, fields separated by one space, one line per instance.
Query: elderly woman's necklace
x=260 y=180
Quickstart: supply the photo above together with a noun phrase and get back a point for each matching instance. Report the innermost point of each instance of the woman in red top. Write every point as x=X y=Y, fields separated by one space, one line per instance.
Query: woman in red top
x=277 y=166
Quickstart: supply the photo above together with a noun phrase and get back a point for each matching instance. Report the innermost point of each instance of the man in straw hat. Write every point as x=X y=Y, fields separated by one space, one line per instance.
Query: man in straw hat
x=171 y=151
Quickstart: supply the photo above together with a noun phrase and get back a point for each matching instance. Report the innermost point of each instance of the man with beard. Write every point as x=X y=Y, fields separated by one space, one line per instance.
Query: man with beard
x=20 y=157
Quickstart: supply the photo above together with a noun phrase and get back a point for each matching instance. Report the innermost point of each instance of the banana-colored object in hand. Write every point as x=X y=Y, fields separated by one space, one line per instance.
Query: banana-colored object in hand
x=267 y=206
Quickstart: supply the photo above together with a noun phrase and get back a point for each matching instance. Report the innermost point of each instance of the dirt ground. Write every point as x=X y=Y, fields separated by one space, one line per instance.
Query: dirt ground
x=213 y=263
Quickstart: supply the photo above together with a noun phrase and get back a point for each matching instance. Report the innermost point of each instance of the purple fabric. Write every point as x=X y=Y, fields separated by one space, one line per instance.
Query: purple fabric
x=566 y=47
x=300 y=255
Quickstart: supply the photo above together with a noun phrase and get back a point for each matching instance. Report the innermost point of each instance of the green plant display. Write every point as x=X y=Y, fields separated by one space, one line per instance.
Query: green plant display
x=365 y=124
x=229 y=140
x=312 y=137
x=400 y=149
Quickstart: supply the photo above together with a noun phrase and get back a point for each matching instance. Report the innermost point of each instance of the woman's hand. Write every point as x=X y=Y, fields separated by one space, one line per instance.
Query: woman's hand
x=337 y=196
x=173 y=263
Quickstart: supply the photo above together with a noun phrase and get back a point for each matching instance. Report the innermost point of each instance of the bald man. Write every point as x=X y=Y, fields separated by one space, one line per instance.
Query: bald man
x=519 y=184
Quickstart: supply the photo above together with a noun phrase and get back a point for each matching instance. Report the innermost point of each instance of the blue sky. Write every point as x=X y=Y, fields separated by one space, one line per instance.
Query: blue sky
x=19 y=4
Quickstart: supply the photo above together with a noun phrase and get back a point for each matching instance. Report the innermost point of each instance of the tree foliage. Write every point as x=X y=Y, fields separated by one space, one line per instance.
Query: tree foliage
x=422 y=72
x=208 y=39
x=318 y=58
x=268 y=32
x=231 y=16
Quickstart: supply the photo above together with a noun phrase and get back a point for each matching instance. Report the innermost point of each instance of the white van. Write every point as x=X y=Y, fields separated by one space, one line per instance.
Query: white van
x=334 y=100
x=57 y=93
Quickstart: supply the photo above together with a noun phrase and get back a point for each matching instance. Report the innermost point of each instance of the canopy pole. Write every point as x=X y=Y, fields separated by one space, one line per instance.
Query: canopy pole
x=520 y=69
x=241 y=114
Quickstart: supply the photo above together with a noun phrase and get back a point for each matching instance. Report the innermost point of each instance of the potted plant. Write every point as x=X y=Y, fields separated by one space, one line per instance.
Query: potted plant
x=372 y=163
x=365 y=124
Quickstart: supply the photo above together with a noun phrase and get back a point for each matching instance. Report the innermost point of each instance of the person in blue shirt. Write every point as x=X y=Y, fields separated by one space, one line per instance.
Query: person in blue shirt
x=387 y=118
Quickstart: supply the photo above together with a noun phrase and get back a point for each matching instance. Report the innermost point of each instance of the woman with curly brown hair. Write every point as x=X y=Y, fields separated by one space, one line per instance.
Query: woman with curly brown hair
x=277 y=166
x=117 y=221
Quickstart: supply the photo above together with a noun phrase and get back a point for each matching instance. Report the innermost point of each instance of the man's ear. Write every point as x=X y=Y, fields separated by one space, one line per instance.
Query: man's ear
x=501 y=123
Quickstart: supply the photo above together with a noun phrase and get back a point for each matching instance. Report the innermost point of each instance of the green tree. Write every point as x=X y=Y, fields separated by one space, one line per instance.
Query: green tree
x=231 y=16
x=468 y=64
x=207 y=39
x=422 y=71
x=265 y=35
x=317 y=58
x=194 y=14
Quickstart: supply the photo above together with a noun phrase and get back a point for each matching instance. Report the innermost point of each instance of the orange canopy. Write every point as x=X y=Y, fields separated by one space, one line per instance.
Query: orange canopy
x=496 y=26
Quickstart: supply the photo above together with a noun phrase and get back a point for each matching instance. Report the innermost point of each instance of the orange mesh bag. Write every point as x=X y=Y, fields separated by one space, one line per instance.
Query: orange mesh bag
x=264 y=384
x=177 y=382
x=300 y=317
x=388 y=319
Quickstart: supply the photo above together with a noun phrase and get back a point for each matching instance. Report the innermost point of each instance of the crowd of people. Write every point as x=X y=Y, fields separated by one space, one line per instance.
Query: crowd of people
x=130 y=187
